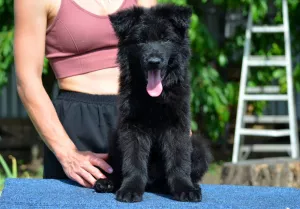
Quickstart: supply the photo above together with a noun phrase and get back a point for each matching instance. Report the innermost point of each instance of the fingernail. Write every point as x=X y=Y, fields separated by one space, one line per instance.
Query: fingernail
x=110 y=170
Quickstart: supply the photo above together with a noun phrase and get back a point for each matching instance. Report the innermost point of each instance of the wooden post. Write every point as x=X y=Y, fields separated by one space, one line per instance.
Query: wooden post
x=283 y=172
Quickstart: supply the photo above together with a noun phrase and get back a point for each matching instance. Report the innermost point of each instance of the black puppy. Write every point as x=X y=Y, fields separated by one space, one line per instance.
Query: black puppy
x=151 y=149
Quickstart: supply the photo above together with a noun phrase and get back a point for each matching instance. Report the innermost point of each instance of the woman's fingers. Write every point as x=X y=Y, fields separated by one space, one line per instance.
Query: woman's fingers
x=87 y=177
x=100 y=162
x=101 y=156
x=83 y=167
x=95 y=172
x=81 y=181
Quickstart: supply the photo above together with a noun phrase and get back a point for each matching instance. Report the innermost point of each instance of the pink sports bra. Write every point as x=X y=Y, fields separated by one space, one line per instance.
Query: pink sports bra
x=79 y=41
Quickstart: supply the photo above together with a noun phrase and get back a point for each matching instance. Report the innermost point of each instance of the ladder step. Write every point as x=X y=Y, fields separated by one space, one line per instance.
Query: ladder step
x=266 y=97
x=268 y=29
x=263 y=89
x=260 y=61
x=264 y=132
x=266 y=119
x=266 y=148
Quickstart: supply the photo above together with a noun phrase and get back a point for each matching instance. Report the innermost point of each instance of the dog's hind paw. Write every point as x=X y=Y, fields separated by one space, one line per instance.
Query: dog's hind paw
x=104 y=186
x=124 y=195
x=193 y=195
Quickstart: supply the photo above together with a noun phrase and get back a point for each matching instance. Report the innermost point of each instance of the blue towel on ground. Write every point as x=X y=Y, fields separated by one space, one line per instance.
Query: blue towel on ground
x=42 y=193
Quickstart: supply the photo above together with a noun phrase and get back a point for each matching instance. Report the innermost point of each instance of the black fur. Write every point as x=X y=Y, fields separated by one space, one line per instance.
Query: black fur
x=151 y=149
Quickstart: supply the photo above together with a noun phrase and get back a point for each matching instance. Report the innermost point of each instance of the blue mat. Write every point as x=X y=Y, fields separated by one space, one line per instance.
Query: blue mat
x=40 y=193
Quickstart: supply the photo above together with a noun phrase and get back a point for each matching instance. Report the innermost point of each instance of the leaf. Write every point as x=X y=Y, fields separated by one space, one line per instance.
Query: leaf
x=278 y=73
x=194 y=125
x=222 y=60
x=7 y=170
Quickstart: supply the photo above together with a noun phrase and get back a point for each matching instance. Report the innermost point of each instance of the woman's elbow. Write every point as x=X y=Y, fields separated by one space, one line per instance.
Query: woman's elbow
x=27 y=82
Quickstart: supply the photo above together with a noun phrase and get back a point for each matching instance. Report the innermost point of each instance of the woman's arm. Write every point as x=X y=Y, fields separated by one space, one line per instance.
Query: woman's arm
x=147 y=3
x=29 y=48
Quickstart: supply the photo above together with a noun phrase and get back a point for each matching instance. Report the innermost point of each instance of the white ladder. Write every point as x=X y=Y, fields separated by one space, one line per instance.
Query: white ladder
x=268 y=94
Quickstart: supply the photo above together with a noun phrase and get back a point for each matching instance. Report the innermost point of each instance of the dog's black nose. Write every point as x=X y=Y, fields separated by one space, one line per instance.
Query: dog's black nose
x=154 y=61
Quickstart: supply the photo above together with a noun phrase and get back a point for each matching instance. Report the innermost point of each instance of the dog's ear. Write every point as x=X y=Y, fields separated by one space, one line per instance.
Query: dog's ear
x=123 y=21
x=179 y=16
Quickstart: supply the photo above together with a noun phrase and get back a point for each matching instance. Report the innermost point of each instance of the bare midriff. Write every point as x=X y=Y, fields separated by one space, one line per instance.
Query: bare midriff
x=104 y=81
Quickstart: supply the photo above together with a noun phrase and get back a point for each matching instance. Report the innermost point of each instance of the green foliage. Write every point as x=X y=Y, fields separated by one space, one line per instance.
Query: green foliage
x=8 y=172
x=16 y=170
x=267 y=44
x=6 y=39
x=212 y=98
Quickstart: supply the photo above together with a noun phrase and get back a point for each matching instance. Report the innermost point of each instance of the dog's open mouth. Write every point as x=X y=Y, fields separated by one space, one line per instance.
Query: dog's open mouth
x=154 y=86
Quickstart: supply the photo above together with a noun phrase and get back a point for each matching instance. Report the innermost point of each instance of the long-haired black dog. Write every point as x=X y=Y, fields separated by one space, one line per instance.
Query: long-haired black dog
x=152 y=149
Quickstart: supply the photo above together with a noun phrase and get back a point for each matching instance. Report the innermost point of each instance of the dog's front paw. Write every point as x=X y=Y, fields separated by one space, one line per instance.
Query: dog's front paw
x=192 y=195
x=103 y=186
x=128 y=195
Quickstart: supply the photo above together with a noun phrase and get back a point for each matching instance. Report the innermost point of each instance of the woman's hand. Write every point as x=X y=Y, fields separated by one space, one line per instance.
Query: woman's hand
x=81 y=166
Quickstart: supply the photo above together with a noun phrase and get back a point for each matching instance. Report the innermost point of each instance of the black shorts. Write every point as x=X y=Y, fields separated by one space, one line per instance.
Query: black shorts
x=88 y=120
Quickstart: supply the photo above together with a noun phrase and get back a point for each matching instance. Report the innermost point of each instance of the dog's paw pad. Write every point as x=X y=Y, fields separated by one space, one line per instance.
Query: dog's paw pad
x=128 y=196
x=188 y=196
x=103 y=186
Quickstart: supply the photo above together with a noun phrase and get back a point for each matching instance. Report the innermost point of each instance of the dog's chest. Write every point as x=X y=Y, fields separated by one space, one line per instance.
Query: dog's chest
x=157 y=114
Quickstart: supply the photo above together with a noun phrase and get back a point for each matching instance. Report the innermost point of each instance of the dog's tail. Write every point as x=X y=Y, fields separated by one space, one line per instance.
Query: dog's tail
x=201 y=157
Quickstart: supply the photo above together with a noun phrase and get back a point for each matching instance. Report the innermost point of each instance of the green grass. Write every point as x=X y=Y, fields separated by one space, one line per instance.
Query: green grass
x=14 y=171
x=213 y=176
x=7 y=172
x=215 y=167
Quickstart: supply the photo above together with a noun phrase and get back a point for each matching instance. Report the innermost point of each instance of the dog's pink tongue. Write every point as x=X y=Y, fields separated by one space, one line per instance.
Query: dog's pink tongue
x=154 y=86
